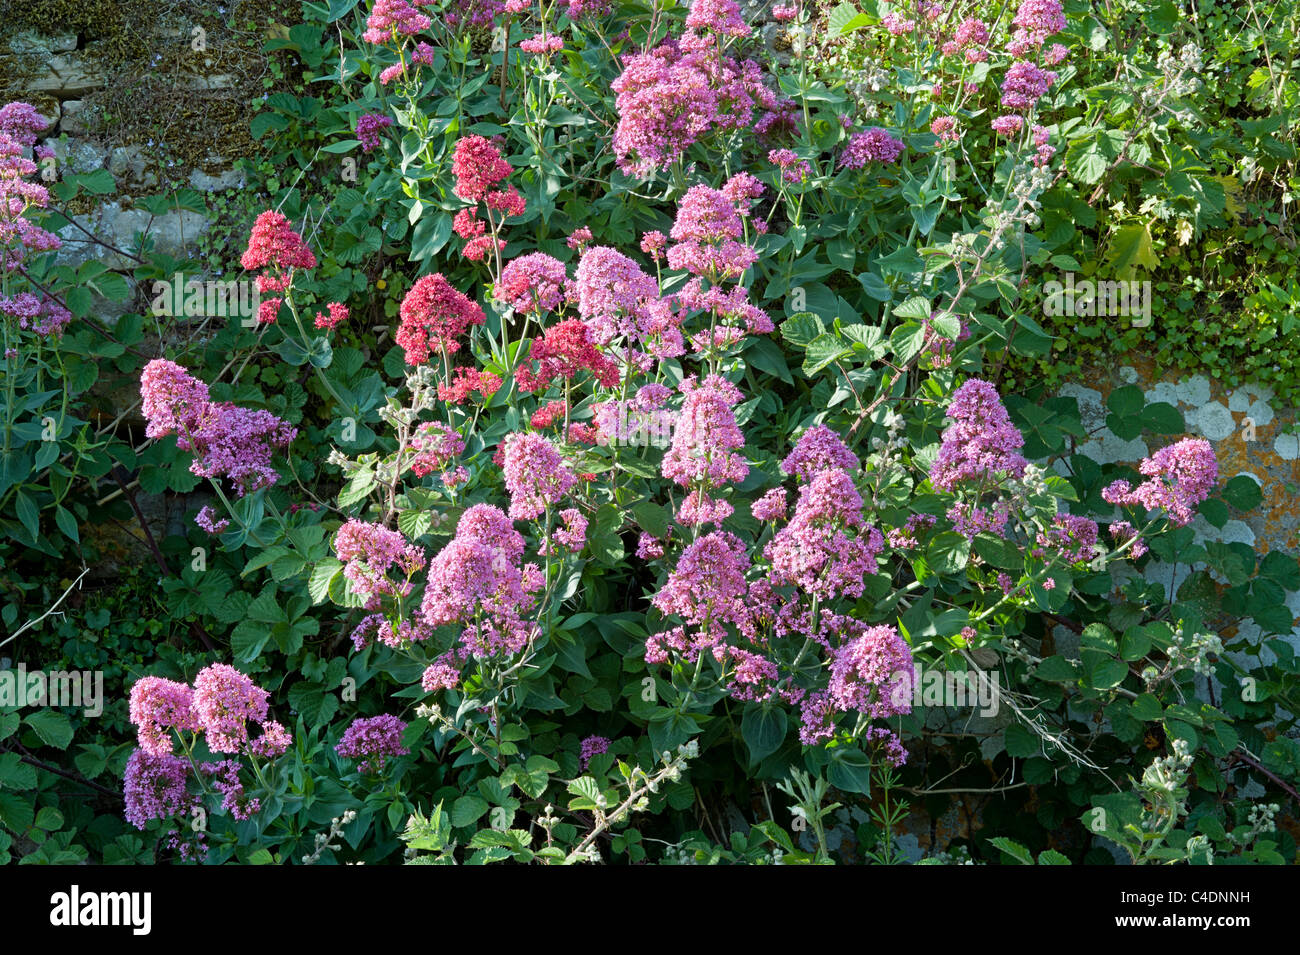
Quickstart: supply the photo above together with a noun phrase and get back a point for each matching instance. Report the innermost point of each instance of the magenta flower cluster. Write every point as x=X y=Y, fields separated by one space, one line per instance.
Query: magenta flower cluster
x=1179 y=477
x=372 y=741
x=227 y=440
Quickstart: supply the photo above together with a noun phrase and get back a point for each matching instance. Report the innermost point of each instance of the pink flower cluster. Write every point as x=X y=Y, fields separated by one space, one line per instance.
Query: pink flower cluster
x=827 y=549
x=477 y=580
x=40 y=313
x=1179 y=477
x=275 y=247
x=706 y=436
x=535 y=475
x=681 y=92
x=368 y=128
x=708 y=230
x=981 y=444
x=155 y=786
x=391 y=19
x=372 y=740
x=532 y=284
x=20 y=124
x=817 y=449
x=479 y=168
x=872 y=145
x=434 y=445
x=227 y=440
x=564 y=350
x=369 y=552
x=1071 y=537
x=1024 y=84
x=220 y=704
x=224 y=778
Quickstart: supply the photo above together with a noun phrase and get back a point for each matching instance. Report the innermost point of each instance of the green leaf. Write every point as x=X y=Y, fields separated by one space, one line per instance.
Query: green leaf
x=652 y=518
x=1109 y=673
x=1131 y=247
x=100 y=182
x=1163 y=418
x=1056 y=669
x=15 y=774
x=917 y=308
x=1013 y=849
x=948 y=553
x=311 y=700
x=16 y=812
x=1243 y=493
x=466 y=810
x=1126 y=401
x=53 y=727
x=1021 y=742
x=357 y=488
x=850 y=770
x=822 y=351
x=763 y=729
x=28 y=513
x=1146 y=708
x=1134 y=644
x=67 y=524
x=845 y=19
x=800 y=329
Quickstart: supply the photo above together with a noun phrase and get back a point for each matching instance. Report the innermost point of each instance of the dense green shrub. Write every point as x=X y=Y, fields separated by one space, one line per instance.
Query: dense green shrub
x=658 y=687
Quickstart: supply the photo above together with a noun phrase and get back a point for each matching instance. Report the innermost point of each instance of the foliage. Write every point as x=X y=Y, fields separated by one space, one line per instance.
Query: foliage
x=1115 y=709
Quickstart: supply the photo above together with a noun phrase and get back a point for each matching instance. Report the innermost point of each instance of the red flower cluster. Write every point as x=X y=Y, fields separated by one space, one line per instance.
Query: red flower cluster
x=479 y=167
x=335 y=315
x=548 y=414
x=434 y=315
x=275 y=247
x=564 y=350
x=465 y=381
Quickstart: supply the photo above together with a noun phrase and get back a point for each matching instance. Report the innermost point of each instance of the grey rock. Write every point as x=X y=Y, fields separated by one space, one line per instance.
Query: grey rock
x=74 y=118
x=172 y=234
x=28 y=42
x=66 y=74
x=221 y=81
x=128 y=162
x=79 y=155
x=205 y=182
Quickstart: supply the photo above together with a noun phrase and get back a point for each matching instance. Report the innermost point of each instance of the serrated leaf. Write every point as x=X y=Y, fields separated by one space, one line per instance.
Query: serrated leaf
x=53 y=727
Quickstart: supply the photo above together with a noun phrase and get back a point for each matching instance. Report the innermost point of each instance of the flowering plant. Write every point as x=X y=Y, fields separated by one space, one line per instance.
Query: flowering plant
x=680 y=463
